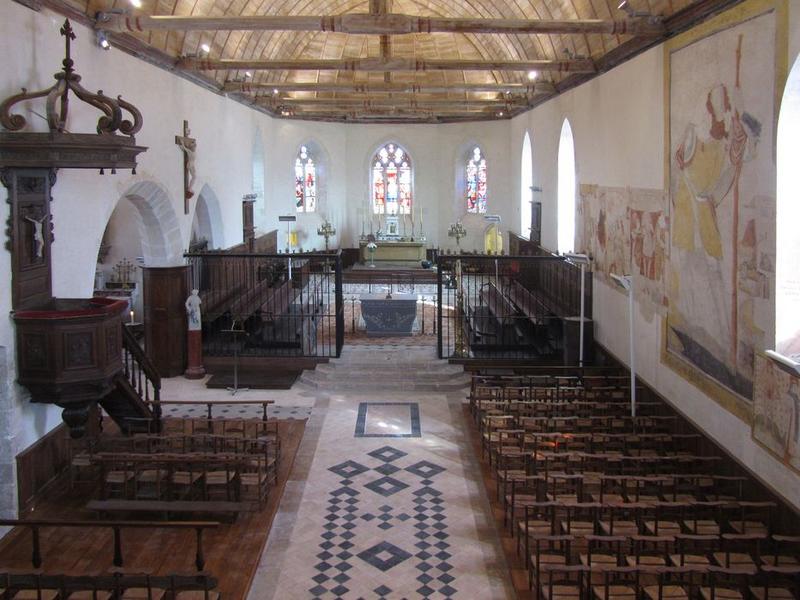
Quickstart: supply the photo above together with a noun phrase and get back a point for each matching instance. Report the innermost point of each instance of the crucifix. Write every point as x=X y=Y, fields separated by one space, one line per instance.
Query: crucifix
x=189 y=147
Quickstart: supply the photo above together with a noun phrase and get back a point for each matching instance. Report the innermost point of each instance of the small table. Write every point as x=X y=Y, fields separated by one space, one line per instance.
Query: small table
x=389 y=315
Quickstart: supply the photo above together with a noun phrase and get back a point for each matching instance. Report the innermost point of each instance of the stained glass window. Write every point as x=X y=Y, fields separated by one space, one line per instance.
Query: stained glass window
x=305 y=181
x=476 y=182
x=391 y=181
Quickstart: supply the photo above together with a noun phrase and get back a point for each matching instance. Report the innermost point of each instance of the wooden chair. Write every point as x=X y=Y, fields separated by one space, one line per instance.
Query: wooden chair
x=784 y=550
x=80 y=460
x=615 y=583
x=117 y=478
x=140 y=588
x=776 y=583
x=219 y=478
x=727 y=584
x=185 y=481
x=561 y=582
x=693 y=550
x=553 y=550
x=255 y=479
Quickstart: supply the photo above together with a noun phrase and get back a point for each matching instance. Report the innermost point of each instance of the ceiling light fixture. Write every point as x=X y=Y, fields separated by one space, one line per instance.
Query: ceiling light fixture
x=532 y=75
x=205 y=48
x=102 y=40
x=626 y=7
x=275 y=91
x=248 y=74
x=136 y=3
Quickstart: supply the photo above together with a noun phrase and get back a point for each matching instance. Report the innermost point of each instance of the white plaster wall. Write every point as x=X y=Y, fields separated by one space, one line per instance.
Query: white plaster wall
x=618 y=123
x=617 y=120
x=83 y=201
x=347 y=152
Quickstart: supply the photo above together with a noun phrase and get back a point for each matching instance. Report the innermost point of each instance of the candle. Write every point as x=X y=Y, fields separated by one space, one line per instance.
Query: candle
x=131 y=317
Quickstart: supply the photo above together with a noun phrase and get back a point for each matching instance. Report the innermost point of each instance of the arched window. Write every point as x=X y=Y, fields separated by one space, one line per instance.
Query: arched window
x=391 y=181
x=476 y=182
x=566 y=190
x=305 y=181
x=525 y=184
x=787 y=276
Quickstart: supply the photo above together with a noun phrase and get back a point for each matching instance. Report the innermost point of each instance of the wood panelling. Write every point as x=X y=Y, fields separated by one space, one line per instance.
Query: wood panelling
x=232 y=550
x=39 y=465
x=165 y=292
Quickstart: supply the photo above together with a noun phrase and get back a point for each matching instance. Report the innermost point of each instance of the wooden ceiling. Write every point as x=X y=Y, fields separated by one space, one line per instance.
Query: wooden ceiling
x=388 y=60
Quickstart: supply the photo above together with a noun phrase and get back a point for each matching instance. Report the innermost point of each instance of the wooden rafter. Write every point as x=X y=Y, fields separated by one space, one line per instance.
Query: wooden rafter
x=542 y=87
x=387 y=65
x=378 y=24
x=403 y=102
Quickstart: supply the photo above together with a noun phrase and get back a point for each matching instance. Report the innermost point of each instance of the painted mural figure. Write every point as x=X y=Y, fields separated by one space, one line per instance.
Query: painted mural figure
x=707 y=166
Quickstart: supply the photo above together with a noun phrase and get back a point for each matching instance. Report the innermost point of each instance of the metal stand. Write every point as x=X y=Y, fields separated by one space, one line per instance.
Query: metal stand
x=235 y=389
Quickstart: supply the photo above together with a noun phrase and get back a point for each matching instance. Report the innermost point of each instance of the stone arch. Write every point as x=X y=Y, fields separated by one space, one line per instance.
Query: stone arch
x=159 y=230
x=207 y=220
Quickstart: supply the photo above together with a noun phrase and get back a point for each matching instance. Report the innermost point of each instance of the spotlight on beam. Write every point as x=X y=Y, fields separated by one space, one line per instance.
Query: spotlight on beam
x=102 y=40
x=205 y=48
x=532 y=75
x=625 y=6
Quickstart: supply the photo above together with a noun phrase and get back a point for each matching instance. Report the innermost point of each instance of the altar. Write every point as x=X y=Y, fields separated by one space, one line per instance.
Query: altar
x=394 y=251
x=394 y=315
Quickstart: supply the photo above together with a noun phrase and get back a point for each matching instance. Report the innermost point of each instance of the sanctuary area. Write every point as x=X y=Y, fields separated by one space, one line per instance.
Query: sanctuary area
x=394 y=299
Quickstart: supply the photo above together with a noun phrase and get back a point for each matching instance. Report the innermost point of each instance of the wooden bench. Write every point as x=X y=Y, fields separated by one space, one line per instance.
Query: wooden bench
x=498 y=304
x=167 y=506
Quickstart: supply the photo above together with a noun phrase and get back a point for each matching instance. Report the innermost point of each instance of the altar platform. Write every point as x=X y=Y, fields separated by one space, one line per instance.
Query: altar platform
x=389 y=272
x=394 y=251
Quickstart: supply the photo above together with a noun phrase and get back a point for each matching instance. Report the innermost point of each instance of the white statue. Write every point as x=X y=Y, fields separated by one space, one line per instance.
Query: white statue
x=38 y=235
x=193 y=303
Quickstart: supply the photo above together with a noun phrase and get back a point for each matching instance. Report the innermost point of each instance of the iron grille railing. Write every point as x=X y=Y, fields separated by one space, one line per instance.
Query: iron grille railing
x=270 y=304
x=507 y=306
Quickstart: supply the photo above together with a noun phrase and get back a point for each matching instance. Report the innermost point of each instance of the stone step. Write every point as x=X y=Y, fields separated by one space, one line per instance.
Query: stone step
x=384 y=378
x=370 y=368
x=382 y=386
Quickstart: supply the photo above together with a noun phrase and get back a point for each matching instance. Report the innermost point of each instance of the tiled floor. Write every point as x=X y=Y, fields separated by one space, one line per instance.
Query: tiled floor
x=296 y=403
x=394 y=516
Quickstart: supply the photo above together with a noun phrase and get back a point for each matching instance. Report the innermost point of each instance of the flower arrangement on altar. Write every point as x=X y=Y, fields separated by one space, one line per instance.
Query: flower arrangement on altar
x=371 y=248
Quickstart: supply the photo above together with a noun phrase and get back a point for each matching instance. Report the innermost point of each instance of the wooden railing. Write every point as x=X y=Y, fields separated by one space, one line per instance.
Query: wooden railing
x=116 y=526
x=140 y=372
x=210 y=405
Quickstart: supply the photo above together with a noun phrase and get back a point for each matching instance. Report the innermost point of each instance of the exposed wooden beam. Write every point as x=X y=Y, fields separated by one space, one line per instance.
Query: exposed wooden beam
x=407 y=102
x=379 y=24
x=540 y=87
x=387 y=65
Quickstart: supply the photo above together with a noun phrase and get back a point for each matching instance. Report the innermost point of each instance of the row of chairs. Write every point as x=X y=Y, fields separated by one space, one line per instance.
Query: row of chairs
x=585 y=486
x=193 y=477
x=639 y=582
x=36 y=586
